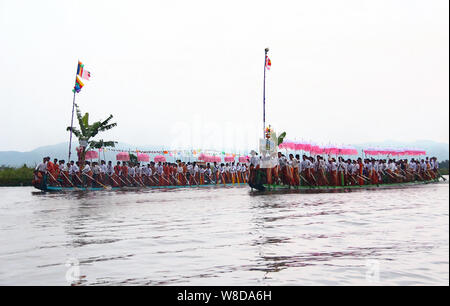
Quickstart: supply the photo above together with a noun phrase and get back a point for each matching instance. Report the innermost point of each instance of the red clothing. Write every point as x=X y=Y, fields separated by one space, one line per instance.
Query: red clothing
x=117 y=170
x=124 y=171
x=360 y=172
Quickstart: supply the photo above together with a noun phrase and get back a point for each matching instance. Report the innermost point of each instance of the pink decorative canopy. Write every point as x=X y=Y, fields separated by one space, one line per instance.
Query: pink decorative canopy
x=91 y=155
x=123 y=156
x=160 y=159
x=205 y=157
x=243 y=159
x=394 y=152
x=229 y=159
x=143 y=157
x=316 y=149
x=208 y=159
x=211 y=159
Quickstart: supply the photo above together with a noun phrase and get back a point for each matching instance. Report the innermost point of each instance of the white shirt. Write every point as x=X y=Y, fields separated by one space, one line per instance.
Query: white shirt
x=160 y=169
x=42 y=167
x=144 y=170
x=306 y=164
x=423 y=166
x=333 y=166
x=86 y=168
x=74 y=169
x=376 y=166
x=109 y=169
x=190 y=169
x=96 y=169
x=254 y=160
x=342 y=167
x=282 y=161
x=317 y=165
x=355 y=168
x=131 y=171
x=392 y=167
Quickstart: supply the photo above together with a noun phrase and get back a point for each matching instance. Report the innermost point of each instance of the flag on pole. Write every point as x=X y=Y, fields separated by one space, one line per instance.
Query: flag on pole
x=78 y=85
x=268 y=63
x=80 y=68
x=85 y=74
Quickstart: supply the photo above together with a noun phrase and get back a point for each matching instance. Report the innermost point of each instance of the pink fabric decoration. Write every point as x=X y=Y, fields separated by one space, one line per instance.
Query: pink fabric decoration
x=91 y=155
x=229 y=159
x=243 y=159
x=209 y=159
x=160 y=159
x=123 y=156
x=394 y=152
x=143 y=157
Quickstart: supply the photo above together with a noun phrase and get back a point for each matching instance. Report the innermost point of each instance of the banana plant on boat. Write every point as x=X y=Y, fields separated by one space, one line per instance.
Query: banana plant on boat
x=280 y=138
x=87 y=132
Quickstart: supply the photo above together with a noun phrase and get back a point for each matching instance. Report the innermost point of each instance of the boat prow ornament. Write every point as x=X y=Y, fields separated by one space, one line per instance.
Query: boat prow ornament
x=268 y=148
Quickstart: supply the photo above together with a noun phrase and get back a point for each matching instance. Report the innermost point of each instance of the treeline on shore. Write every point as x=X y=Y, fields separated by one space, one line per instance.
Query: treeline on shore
x=22 y=176
x=10 y=176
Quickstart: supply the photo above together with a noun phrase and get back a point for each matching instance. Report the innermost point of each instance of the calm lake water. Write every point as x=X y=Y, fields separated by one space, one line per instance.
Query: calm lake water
x=225 y=236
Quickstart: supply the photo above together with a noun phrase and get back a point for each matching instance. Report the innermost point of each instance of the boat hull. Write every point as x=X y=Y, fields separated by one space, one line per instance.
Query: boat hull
x=64 y=189
x=318 y=189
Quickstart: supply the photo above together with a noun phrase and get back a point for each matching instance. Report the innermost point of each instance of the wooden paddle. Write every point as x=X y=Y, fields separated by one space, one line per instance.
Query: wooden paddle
x=56 y=181
x=301 y=176
x=62 y=172
x=104 y=186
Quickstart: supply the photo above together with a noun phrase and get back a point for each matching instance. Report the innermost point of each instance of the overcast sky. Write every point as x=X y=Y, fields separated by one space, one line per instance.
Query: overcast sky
x=190 y=73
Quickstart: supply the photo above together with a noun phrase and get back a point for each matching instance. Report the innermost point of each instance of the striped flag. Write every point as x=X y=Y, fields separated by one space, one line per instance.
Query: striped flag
x=80 y=68
x=84 y=74
x=78 y=85
x=268 y=63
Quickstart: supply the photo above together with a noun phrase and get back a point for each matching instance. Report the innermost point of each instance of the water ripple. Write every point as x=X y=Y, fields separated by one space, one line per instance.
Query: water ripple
x=225 y=236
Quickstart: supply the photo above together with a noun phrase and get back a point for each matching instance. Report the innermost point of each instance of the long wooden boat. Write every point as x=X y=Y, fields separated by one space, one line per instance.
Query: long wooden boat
x=129 y=188
x=317 y=189
x=268 y=147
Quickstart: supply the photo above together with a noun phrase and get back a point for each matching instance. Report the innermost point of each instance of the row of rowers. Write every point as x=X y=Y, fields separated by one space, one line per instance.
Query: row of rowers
x=318 y=171
x=137 y=174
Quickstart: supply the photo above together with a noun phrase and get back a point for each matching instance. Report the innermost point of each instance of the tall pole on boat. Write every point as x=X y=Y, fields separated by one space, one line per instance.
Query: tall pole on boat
x=264 y=93
x=71 y=122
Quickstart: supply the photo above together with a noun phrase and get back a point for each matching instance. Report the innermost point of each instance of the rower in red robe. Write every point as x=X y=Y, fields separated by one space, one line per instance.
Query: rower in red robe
x=124 y=173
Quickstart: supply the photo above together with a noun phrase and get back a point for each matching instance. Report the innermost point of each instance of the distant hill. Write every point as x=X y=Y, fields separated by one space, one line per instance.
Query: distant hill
x=60 y=151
